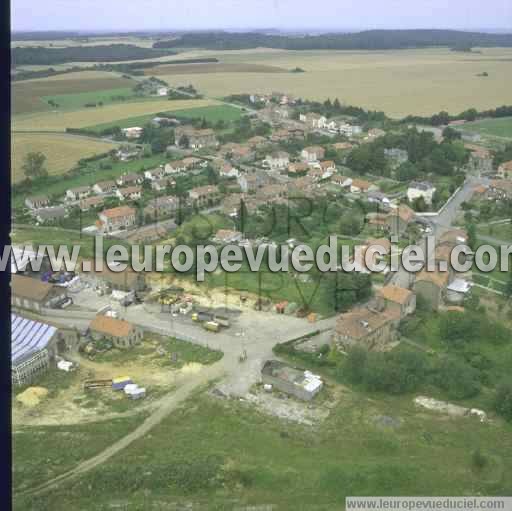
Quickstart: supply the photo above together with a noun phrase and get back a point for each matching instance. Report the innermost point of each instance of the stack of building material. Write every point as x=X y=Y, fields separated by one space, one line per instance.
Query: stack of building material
x=65 y=365
x=134 y=391
x=312 y=382
x=121 y=382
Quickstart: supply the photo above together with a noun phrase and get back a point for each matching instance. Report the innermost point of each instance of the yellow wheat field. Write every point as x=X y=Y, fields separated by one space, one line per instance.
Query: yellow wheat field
x=399 y=82
x=62 y=151
x=59 y=121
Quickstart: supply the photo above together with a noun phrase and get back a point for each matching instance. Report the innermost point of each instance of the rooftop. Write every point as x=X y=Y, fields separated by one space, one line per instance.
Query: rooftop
x=396 y=294
x=118 y=212
x=111 y=326
x=28 y=337
x=31 y=288
x=360 y=322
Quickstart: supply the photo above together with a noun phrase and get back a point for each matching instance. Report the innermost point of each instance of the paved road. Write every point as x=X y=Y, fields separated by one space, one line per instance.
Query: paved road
x=440 y=224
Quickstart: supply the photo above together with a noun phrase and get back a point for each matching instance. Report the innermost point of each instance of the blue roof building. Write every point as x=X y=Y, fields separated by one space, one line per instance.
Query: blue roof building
x=32 y=347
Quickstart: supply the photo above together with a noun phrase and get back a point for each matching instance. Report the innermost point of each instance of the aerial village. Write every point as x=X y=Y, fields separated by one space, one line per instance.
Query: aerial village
x=284 y=152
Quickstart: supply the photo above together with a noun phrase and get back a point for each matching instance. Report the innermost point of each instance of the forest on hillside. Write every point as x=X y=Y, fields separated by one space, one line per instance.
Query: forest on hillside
x=366 y=40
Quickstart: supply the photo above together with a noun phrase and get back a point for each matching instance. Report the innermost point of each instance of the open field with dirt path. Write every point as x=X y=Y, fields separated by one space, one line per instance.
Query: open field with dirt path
x=62 y=151
x=59 y=121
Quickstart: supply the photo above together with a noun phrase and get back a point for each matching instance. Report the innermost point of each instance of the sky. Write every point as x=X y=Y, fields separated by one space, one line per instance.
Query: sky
x=135 y=15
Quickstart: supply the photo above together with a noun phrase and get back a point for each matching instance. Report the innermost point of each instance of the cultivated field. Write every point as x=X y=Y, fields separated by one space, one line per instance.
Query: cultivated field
x=27 y=96
x=59 y=121
x=62 y=151
x=214 y=67
x=398 y=82
x=492 y=127
x=87 y=41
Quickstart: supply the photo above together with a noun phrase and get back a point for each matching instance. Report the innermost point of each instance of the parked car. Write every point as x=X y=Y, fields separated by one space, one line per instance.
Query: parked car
x=65 y=302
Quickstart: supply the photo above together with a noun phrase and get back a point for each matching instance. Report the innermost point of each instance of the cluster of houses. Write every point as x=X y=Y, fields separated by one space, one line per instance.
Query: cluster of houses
x=375 y=325
x=316 y=121
x=498 y=189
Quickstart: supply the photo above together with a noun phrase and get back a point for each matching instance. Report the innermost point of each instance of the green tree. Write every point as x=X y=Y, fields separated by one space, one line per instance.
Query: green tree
x=503 y=400
x=450 y=134
x=355 y=364
x=350 y=224
x=508 y=287
x=478 y=459
x=458 y=379
x=472 y=239
x=184 y=141
x=34 y=165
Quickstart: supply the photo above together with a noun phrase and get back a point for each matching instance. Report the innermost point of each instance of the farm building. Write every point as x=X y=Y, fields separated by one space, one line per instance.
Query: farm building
x=50 y=214
x=397 y=298
x=364 y=327
x=122 y=333
x=197 y=138
x=33 y=346
x=41 y=201
x=126 y=280
x=431 y=287
x=290 y=380
x=33 y=294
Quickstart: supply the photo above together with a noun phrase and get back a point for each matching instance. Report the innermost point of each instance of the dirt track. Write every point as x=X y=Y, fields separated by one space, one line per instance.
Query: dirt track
x=167 y=405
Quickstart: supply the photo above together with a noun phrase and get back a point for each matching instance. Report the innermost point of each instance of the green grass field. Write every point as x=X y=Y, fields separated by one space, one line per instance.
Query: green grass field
x=41 y=453
x=499 y=231
x=223 y=454
x=212 y=113
x=36 y=236
x=492 y=127
x=79 y=100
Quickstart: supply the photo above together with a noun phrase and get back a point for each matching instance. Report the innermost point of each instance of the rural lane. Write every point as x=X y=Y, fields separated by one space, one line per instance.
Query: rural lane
x=167 y=405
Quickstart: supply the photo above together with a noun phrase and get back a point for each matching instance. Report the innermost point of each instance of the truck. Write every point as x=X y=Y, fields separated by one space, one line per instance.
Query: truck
x=222 y=320
x=211 y=326
x=202 y=316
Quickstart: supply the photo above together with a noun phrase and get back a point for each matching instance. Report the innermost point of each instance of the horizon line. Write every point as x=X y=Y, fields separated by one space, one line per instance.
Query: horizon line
x=234 y=29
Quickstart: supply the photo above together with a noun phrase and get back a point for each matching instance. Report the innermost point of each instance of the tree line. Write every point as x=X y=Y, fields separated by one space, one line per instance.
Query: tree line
x=365 y=40
x=38 y=55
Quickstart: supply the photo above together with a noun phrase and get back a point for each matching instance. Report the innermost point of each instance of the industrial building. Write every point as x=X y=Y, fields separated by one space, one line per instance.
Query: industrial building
x=33 y=347
x=33 y=294
x=290 y=380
